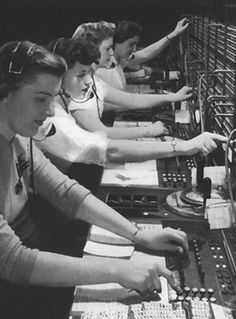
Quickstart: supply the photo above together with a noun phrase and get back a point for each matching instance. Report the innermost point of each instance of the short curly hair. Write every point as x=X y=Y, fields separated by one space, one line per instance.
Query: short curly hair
x=75 y=50
x=95 y=32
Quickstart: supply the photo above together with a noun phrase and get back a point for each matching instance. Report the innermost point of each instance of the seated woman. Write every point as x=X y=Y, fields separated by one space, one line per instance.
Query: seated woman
x=126 y=38
x=89 y=114
x=71 y=144
x=39 y=258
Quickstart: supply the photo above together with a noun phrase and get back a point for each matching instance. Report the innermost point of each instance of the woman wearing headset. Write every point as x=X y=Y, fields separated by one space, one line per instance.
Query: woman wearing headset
x=39 y=263
x=78 y=94
x=126 y=38
x=89 y=117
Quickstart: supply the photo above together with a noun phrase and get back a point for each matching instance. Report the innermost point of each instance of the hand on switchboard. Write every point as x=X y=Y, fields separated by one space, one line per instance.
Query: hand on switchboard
x=181 y=26
x=183 y=94
x=143 y=276
x=158 y=128
x=167 y=239
x=204 y=143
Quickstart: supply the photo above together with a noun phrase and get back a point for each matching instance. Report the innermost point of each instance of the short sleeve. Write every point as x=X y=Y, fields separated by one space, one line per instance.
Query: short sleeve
x=73 y=144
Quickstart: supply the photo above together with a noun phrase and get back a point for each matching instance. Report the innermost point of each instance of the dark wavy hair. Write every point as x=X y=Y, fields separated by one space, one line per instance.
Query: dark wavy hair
x=75 y=50
x=126 y=29
x=22 y=61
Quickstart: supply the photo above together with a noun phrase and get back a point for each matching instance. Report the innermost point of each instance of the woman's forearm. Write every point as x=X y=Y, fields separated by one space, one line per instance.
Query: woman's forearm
x=55 y=270
x=132 y=101
x=90 y=122
x=128 y=132
x=138 y=151
x=154 y=49
x=96 y=212
x=150 y=51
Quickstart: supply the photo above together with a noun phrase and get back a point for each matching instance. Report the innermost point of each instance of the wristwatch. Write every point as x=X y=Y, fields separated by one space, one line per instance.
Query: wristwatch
x=173 y=144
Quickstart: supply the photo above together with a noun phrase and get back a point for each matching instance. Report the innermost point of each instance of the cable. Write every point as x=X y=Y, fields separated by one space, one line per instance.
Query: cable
x=89 y=95
x=32 y=167
x=228 y=173
x=200 y=102
x=97 y=97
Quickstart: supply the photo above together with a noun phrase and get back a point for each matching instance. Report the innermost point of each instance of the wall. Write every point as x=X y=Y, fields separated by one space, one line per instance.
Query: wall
x=40 y=21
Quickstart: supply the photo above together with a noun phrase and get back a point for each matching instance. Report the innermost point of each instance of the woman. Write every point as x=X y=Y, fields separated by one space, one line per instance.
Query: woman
x=126 y=38
x=77 y=90
x=71 y=145
x=116 y=100
x=31 y=252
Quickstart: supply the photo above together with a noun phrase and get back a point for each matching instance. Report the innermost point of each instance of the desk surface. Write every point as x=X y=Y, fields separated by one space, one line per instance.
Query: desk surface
x=92 y=296
x=113 y=301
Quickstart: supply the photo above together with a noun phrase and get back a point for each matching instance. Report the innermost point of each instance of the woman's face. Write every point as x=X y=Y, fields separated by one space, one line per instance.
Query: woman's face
x=106 y=52
x=28 y=107
x=77 y=80
x=125 y=49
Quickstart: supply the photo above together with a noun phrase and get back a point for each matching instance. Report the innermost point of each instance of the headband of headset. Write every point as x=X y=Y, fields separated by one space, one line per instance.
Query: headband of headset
x=21 y=55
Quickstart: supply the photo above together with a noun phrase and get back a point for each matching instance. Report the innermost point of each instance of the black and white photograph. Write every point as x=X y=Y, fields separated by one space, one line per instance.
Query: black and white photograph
x=117 y=159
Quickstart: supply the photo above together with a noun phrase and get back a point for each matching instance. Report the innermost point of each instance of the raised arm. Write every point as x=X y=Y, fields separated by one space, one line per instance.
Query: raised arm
x=154 y=49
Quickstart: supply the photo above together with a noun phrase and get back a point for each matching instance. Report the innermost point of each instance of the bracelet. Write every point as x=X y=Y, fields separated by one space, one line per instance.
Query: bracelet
x=169 y=39
x=173 y=144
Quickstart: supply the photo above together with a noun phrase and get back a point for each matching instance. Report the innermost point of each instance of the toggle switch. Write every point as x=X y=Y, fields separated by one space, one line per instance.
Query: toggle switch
x=187 y=291
x=210 y=292
x=194 y=291
x=202 y=292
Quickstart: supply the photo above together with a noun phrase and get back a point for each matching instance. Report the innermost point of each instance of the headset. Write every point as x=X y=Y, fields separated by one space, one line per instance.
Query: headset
x=20 y=57
x=89 y=95
x=15 y=62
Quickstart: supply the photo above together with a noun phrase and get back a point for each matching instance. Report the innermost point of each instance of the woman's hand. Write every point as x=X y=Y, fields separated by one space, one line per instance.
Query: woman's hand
x=181 y=26
x=143 y=276
x=158 y=128
x=183 y=94
x=204 y=143
x=166 y=239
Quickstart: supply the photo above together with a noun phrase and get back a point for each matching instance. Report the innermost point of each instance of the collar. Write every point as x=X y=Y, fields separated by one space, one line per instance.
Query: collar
x=117 y=58
x=6 y=132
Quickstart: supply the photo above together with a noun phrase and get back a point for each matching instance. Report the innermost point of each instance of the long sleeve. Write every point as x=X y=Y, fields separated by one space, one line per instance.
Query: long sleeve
x=63 y=193
x=16 y=260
